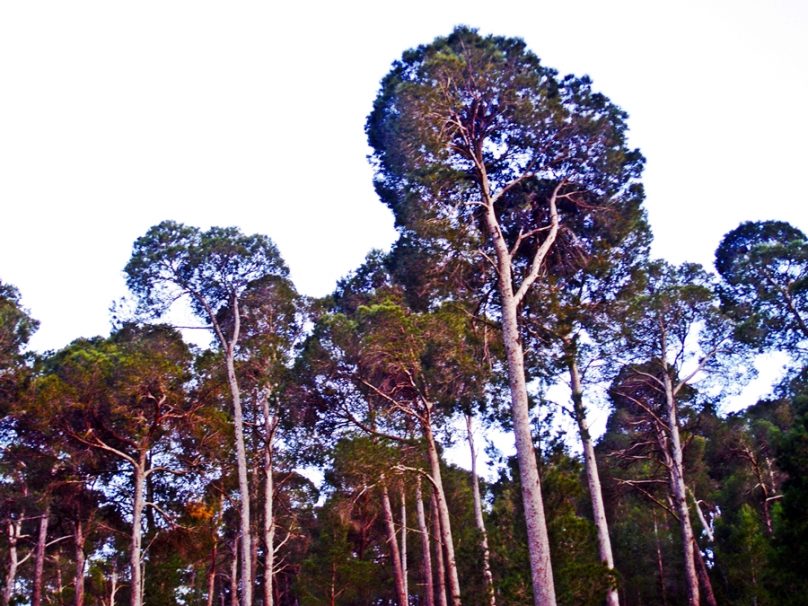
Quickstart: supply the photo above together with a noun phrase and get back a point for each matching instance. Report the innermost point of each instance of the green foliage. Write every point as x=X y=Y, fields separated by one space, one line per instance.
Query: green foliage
x=764 y=266
x=791 y=528
x=212 y=267
x=579 y=577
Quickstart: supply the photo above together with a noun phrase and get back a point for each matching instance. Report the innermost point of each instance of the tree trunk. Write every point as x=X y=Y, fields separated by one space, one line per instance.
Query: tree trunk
x=14 y=528
x=440 y=571
x=392 y=541
x=269 y=495
x=537 y=539
x=538 y=542
x=678 y=489
x=79 y=540
x=243 y=486
x=660 y=562
x=443 y=512
x=211 y=580
x=113 y=586
x=592 y=476
x=426 y=562
x=39 y=564
x=241 y=454
x=135 y=549
x=404 y=540
x=478 y=515
x=704 y=577
x=234 y=574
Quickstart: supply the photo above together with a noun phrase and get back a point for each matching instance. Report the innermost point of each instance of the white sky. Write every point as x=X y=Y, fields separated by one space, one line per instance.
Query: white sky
x=115 y=116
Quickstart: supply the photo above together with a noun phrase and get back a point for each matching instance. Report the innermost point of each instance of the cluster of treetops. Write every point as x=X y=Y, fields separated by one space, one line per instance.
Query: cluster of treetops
x=136 y=468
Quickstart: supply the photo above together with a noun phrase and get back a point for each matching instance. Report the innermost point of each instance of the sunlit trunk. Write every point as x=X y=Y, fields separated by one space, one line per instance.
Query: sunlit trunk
x=478 y=515
x=39 y=563
x=426 y=561
x=440 y=572
x=135 y=549
x=592 y=476
x=443 y=512
x=392 y=541
x=677 y=481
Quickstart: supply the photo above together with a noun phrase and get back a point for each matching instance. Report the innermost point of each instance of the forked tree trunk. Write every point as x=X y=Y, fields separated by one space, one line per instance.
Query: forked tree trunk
x=538 y=541
x=426 y=561
x=443 y=513
x=679 y=492
x=392 y=541
x=39 y=563
x=478 y=515
x=592 y=476
x=440 y=571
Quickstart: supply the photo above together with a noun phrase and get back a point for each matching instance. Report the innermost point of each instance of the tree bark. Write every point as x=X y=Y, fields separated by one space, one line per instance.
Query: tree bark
x=14 y=528
x=269 y=495
x=440 y=572
x=426 y=562
x=234 y=573
x=79 y=540
x=246 y=584
x=678 y=489
x=704 y=577
x=443 y=512
x=135 y=549
x=211 y=580
x=39 y=565
x=537 y=539
x=392 y=541
x=592 y=476
x=478 y=515
x=404 y=540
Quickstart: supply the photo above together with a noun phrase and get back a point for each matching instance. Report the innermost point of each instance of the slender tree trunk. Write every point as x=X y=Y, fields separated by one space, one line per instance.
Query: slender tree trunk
x=79 y=540
x=241 y=452
x=398 y=576
x=704 y=577
x=39 y=564
x=113 y=586
x=404 y=540
x=234 y=574
x=14 y=528
x=592 y=476
x=426 y=562
x=538 y=541
x=135 y=549
x=269 y=514
x=443 y=512
x=440 y=571
x=660 y=562
x=212 y=569
x=478 y=515
x=679 y=492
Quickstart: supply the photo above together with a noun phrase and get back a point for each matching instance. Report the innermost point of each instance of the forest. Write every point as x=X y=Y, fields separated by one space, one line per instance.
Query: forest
x=300 y=458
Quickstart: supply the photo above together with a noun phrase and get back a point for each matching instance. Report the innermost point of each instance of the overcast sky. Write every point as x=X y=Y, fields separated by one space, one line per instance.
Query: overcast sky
x=117 y=115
